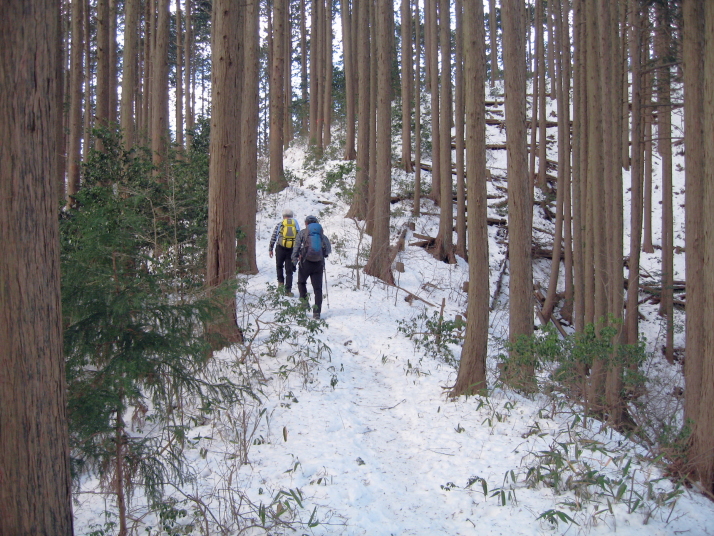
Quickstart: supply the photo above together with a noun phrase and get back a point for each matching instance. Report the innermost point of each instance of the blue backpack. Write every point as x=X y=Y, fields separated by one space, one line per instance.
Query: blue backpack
x=313 y=243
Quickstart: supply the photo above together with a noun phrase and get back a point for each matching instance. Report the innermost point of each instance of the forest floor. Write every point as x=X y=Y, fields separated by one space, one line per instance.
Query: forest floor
x=354 y=434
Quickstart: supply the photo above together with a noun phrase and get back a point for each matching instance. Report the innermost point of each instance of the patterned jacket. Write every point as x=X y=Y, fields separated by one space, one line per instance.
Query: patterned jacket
x=279 y=229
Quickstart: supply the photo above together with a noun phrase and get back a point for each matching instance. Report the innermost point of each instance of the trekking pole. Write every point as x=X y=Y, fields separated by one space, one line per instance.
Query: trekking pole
x=327 y=295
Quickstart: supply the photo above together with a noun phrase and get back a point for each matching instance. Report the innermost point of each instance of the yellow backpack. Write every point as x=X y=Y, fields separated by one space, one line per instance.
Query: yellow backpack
x=288 y=233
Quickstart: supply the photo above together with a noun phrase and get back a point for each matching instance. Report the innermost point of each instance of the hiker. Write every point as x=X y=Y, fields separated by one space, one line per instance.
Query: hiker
x=283 y=239
x=311 y=249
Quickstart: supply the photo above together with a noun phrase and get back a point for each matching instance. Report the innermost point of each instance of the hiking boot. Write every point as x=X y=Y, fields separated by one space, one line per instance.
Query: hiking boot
x=316 y=316
x=289 y=294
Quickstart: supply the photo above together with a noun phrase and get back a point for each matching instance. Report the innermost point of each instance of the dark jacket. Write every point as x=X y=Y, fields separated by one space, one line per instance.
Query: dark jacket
x=301 y=238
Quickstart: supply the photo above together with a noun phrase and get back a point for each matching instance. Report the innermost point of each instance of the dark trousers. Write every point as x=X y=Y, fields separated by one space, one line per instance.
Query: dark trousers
x=282 y=257
x=313 y=270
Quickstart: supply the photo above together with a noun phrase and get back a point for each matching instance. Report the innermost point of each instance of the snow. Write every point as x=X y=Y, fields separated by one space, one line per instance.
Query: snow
x=363 y=438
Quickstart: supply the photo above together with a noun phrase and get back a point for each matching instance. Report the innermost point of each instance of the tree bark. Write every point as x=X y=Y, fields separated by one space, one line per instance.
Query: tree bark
x=160 y=91
x=102 y=95
x=444 y=249
x=611 y=77
x=416 y=209
x=87 y=120
x=327 y=70
x=569 y=257
x=633 y=280
x=562 y=180
x=520 y=189
x=179 y=77
x=247 y=192
x=493 y=35
x=542 y=132
x=188 y=74
x=277 y=98
x=35 y=494
x=373 y=95
x=580 y=167
x=305 y=111
x=315 y=139
x=224 y=147
x=471 y=377
x=379 y=263
x=664 y=146
x=74 y=151
x=287 y=80
x=699 y=366
x=406 y=85
x=461 y=239
x=433 y=61
x=348 y=56
x=358 y=209
x=129 y=76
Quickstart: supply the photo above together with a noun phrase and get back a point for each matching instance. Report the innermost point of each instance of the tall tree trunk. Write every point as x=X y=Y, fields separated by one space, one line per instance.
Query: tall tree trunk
x=348 y=59
x=144 y=126
x=537 y=66
x=596 y=265
x=416 y=210
x=160 y=91
x=699 y=366
x=62 y=126
x=406 y=35
x=373 y=95
x=303 y=69
x=433 y=59
x=188 y=68
x=224 y=149
x=379 y=263
x=277 y=98
x=74 y=151
x=459 y=133
x=89 y=103
x=327 y=86
x=550 y=25
x=129 y=78
x=493 y=35
x=611 y=77
x=358 y=209
x=287 y=79
x=580 y=167
x=647 y=245
x=542 y=112
x=624 y=91
x=103 y=70
x=36 y=494
x=315 y=53
x=179 y=76
x=633 y=279
x=472 y=368
x=445 y=238
x=562 y=180
x=248 y=163
x=664 y=146
x=113 y=62
x=569 y=257
x=520 y=189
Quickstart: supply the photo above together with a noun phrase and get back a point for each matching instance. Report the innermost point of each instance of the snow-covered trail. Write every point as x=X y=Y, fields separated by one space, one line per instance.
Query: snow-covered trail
x=376 y=444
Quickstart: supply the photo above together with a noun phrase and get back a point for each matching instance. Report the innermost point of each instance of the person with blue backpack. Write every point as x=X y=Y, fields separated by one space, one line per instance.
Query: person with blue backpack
x=311 y=249
x=283 y=238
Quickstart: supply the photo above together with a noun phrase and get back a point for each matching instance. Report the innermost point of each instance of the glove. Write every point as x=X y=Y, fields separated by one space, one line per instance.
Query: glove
x=294 y=268
x=271 y=253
